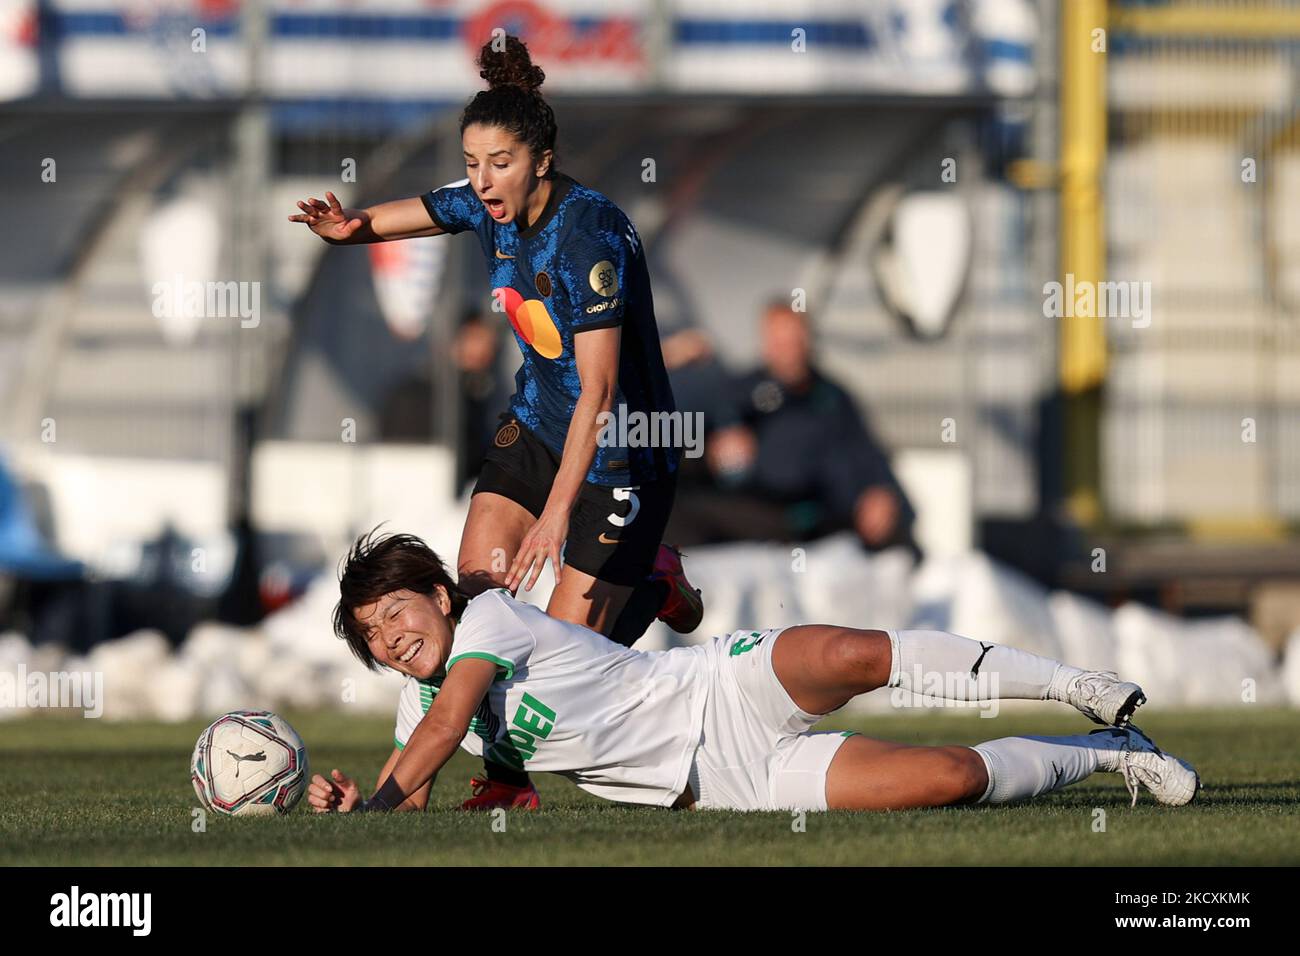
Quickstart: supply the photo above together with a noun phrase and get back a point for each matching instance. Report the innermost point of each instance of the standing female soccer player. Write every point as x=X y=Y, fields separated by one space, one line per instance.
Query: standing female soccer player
x=568 y=269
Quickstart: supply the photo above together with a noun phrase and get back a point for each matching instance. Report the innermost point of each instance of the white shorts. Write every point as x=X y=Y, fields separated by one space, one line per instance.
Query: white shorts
x=756 y=751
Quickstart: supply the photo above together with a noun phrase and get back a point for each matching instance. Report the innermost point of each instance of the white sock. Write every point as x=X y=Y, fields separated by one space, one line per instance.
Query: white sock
x=924 y=661
x=1023 y=767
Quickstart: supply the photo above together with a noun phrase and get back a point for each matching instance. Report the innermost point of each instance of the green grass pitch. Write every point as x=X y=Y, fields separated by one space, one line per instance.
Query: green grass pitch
x=85 y=792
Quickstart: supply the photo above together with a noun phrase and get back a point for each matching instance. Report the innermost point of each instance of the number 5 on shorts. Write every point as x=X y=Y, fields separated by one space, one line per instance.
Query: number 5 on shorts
x=625 y=494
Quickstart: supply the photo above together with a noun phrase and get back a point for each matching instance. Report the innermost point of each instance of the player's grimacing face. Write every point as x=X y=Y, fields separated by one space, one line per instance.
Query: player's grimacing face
x=500 y=169
x=408 y=631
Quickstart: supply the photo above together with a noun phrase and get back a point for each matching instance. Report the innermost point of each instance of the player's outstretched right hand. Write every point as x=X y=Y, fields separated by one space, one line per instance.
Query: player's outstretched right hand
x=339 y=795
x=329 y=220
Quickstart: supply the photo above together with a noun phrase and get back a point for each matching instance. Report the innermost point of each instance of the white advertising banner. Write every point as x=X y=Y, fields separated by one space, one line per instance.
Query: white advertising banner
x=422 y=51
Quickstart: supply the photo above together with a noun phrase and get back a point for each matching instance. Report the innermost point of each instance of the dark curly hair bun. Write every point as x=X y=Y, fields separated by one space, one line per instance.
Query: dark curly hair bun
x=513 y=100
x=511 y=66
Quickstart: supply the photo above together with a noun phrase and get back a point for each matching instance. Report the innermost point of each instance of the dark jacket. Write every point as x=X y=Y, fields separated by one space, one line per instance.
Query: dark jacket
x=815 y=450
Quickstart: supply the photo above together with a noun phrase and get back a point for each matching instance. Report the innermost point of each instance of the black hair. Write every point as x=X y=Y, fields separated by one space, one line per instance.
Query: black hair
x=512 y=100
x=378 y=566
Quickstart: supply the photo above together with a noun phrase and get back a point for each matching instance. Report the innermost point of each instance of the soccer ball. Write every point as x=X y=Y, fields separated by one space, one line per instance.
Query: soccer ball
x=249 y=763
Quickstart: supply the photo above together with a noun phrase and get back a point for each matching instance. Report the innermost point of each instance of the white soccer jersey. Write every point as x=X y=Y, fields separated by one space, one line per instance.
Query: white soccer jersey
x=621 y=724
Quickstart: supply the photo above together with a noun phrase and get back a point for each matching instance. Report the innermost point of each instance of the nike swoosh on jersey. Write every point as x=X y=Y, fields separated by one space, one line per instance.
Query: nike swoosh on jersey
x=502 y=255
x=604 y=540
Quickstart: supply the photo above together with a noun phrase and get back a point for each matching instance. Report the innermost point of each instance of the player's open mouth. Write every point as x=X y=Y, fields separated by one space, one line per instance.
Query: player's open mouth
x=411 y=652
x=497 y=207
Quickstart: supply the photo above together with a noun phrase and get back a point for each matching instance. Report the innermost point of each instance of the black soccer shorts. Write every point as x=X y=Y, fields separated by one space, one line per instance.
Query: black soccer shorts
x=614 y=533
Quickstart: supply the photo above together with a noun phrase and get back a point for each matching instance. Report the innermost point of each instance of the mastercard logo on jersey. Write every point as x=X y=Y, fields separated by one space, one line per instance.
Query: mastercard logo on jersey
x=531 y=321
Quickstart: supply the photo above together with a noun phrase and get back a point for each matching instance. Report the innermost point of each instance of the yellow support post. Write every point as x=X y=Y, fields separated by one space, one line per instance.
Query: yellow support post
x=1082 y=340
x=1083 y=155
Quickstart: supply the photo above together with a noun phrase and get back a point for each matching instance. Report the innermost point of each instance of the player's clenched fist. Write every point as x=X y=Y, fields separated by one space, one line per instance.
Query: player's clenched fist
x=338 y=795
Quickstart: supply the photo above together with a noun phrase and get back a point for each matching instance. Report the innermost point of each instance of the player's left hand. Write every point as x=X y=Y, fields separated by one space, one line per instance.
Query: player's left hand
x=545 y=539
x=338 y=795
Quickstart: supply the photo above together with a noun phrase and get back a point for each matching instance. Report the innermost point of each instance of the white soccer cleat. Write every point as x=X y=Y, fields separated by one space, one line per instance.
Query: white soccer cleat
x=1102 y=697
x=1171 y=781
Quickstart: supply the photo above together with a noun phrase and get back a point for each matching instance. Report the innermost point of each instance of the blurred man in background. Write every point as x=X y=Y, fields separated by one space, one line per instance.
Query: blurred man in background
x=789 y=457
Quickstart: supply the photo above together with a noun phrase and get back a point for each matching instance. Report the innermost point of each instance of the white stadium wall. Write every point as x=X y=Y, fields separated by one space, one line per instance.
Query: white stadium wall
x=102 y=503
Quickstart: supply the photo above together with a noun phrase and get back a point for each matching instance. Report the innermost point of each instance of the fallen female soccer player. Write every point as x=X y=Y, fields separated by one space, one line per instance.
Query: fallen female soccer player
x=726 y=724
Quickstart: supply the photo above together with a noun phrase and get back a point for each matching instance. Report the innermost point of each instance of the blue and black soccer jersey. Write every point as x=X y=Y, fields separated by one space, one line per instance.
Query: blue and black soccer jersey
x=579 y=266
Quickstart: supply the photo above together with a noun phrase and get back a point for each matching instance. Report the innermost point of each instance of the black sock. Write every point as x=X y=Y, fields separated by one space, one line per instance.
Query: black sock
x=499 y=774
x=646 y=600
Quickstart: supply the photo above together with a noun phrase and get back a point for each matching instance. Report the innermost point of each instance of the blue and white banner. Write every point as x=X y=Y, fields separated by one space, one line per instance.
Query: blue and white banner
x=422 y=51
x=888 y=46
